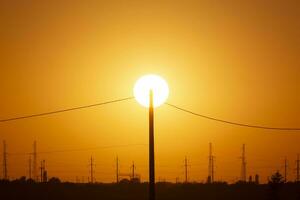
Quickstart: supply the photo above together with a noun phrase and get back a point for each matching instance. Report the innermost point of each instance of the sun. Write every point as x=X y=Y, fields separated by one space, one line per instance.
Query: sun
x=152 y=82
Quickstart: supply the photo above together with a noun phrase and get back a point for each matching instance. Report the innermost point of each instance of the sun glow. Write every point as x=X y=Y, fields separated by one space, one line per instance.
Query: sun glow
x=152 y=82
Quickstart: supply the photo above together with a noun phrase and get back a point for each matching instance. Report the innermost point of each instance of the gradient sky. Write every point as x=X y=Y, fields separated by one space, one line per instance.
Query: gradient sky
x=234 y=60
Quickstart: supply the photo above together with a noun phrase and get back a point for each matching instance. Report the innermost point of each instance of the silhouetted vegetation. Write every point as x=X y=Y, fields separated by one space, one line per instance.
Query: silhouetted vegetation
x=276 y=182
x=23 y=188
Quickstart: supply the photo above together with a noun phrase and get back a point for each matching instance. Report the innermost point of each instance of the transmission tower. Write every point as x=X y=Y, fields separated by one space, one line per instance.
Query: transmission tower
x=92 y=169
x=297 y=168
x=211 y=170
x=29 y=167
x=243 y=170
x=133 y=170
x=34 y=153
x=117 y=169
x=285 y=169
x=43 y=171
x=186 y=165
x=5 y=176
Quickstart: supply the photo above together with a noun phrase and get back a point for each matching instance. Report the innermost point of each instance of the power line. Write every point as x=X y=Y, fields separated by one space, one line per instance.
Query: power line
x=93 y=148
x=82 y=149
x=129 y=98
x=233 y=123
x=65 y=110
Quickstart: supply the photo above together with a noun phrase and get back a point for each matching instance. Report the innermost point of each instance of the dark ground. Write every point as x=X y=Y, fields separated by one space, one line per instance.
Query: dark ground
x=136 y=191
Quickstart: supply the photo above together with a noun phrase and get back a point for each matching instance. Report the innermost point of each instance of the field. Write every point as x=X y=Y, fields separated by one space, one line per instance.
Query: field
x=139 y=191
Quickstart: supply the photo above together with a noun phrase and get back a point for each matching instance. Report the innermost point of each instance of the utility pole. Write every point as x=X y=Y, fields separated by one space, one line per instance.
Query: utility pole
x=151 y=149
x=297 y=169
x=285 y=169
x=35 y=173
x=133 y=172
x=41 y=172
x=92 y=169
x=117 y=169
x=243 y=170
x=29 y=167
x=4 y=161
x=186 y=169
x=211 y=170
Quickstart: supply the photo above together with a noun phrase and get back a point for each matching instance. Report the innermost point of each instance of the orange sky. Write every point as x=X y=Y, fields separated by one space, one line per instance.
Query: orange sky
x=227 y=59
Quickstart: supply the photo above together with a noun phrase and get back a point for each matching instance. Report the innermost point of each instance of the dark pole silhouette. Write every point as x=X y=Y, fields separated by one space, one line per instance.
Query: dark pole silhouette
x=211 y=170
x=151 y=149
x=117 y=169
x=285 y=169
x=133 y=170
x=243 y=171
x=186 y=169
x=298 y=169
x=92 y=169
x=29 y=167
x=41 y=168
x=35 y=172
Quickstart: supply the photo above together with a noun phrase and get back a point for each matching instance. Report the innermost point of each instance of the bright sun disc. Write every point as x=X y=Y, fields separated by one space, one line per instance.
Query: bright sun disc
x=152 y=82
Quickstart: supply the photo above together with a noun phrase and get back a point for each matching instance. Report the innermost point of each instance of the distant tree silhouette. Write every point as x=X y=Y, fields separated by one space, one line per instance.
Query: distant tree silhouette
x=23 y=188
x=30 y=180
x=275 y=183
x=276 y=178
x=124 y=181
x=135 y=180
x=54 y=180
x=22 y=179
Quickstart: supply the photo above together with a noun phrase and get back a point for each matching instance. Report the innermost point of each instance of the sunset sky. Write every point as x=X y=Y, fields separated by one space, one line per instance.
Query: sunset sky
x=233 y=60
